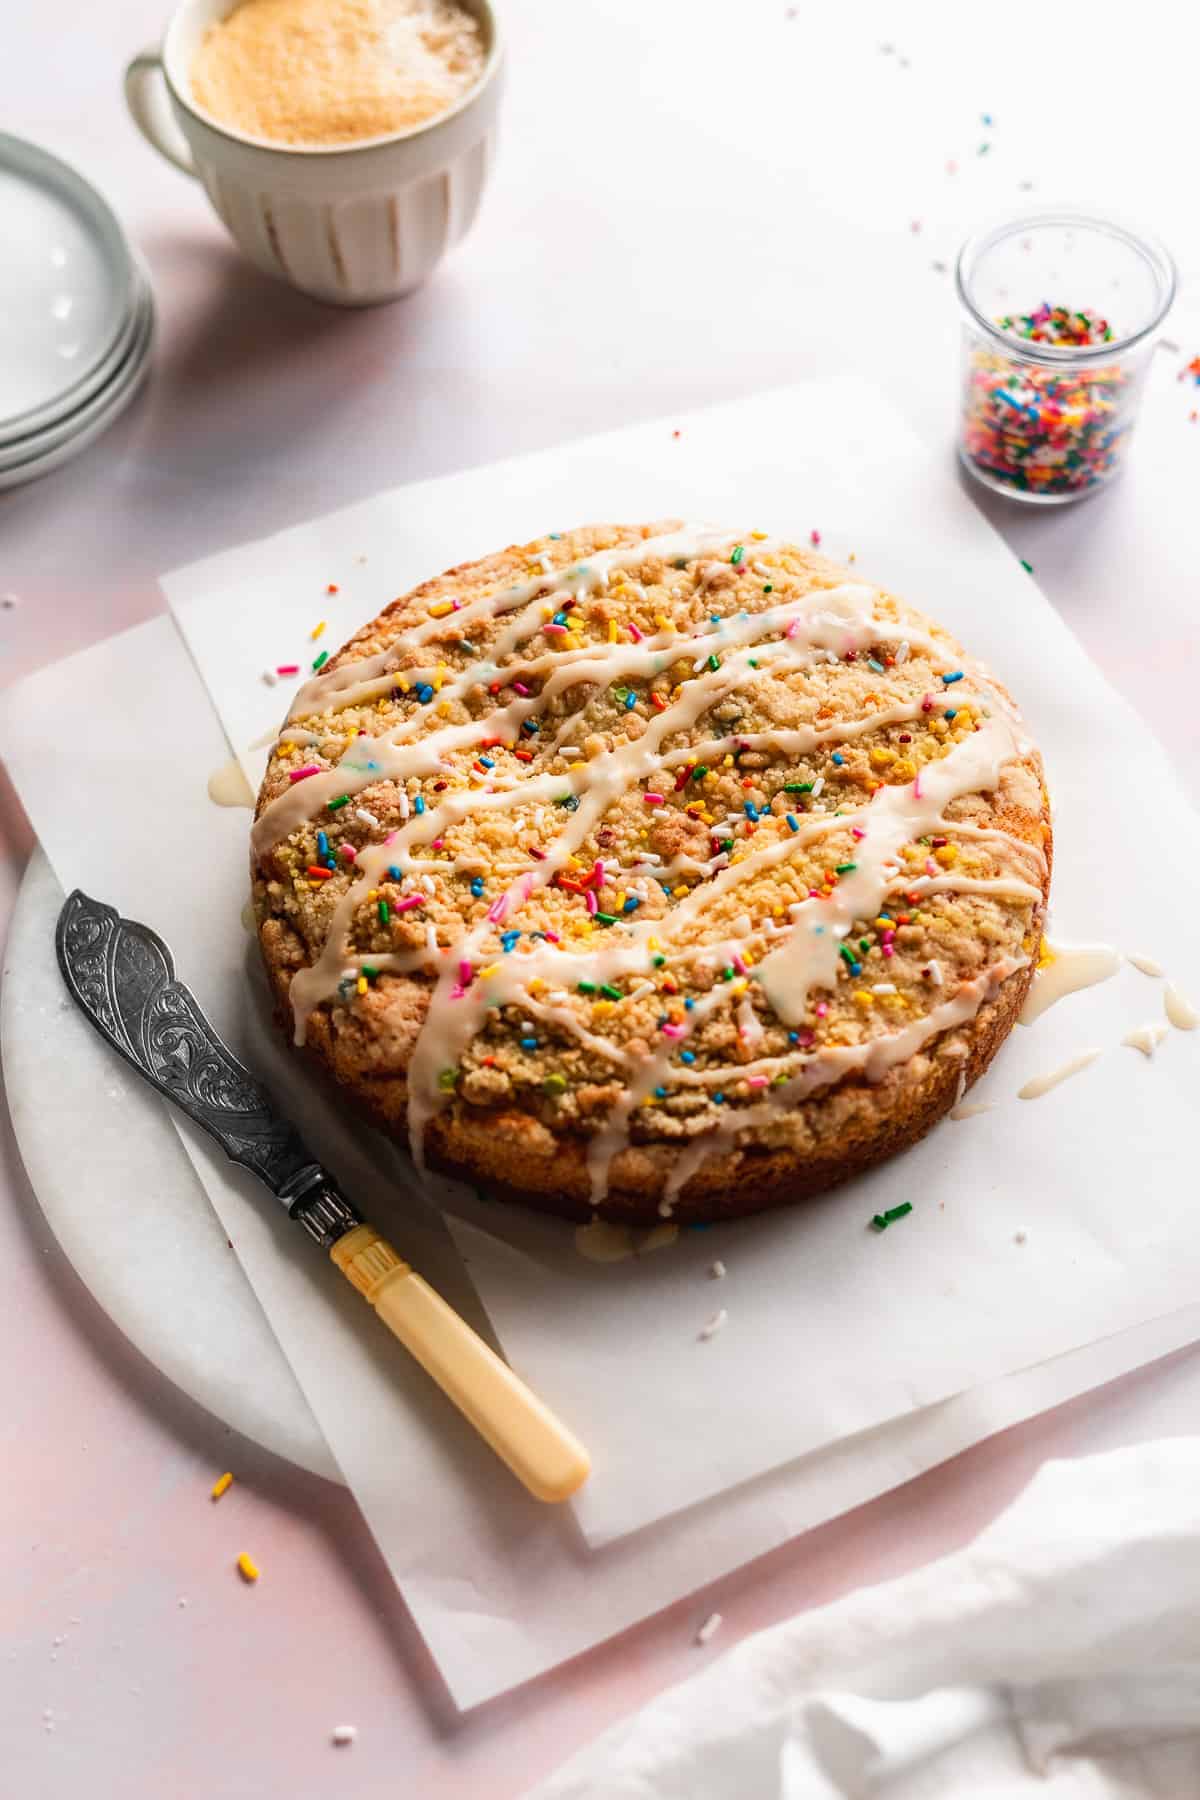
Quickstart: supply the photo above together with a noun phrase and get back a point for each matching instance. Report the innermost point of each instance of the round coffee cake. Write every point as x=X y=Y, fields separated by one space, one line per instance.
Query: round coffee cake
x=652 y=870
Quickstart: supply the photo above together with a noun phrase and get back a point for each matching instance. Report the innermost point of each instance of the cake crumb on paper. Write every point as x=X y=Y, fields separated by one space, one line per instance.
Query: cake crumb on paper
x=344 y=1734
x=709 y=1629
x=717 y=1270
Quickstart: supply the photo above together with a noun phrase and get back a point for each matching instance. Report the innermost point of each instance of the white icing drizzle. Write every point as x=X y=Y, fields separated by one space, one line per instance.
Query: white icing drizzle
x=1011 y=887
x=683 y=1167
x=595 y=785
x=971 y=1109
x=1005 y=840
x=369 y=676
x=796 y=742
x=613 y=1134
x=1181 y=1012
x=1146 y=965
x=844 y=621
x=1042 y=1084
x=808 y=957
x=1146 y=1038
x=1064 y=969
x=749 y=1026
x=872 y=1059
x=804 y=954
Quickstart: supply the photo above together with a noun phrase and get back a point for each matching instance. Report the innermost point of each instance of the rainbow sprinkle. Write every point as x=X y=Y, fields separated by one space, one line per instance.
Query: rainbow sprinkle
x=1047 y=427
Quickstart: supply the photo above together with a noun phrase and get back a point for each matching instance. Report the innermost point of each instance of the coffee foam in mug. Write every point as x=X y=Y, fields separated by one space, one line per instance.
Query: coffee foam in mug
x=325 y=72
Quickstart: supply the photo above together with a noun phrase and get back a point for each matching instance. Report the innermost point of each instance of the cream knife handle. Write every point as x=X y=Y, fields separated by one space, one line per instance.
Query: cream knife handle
x=525 y=1434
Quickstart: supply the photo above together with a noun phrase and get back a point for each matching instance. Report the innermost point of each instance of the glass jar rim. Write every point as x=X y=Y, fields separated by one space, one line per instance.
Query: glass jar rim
x=1153 y=253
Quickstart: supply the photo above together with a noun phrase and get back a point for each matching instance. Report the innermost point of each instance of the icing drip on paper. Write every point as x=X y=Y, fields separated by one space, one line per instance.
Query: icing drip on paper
x=1181 y=1012
x=1064 y=969
x=227 y=786
x=1042 y=1084
x=1146 y=1038
x=804 y=954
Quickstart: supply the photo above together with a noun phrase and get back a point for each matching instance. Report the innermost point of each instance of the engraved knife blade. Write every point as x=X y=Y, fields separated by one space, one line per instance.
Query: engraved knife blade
x=122 y=977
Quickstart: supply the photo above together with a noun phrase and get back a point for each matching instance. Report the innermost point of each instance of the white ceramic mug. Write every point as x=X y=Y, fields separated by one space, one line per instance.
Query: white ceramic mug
x=352 y=223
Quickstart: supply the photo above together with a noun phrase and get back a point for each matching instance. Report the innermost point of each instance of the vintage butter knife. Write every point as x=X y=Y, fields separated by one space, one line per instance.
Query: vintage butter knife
x=122 y=976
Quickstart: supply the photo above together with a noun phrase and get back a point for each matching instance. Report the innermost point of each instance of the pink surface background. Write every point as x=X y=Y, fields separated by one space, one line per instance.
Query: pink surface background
x=262 y=409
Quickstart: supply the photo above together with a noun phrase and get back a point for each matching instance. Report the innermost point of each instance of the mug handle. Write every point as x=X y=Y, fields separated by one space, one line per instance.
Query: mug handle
x=148 y=108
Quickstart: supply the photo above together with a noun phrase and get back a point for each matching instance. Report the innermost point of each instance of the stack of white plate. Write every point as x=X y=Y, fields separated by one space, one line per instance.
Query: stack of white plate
x=76 y=314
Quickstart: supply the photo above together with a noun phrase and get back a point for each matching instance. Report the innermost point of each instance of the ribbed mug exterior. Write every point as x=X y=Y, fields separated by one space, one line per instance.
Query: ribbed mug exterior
x=362 y=247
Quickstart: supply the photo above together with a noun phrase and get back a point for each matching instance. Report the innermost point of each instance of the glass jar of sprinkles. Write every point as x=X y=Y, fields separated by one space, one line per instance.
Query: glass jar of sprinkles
x=1059 y=315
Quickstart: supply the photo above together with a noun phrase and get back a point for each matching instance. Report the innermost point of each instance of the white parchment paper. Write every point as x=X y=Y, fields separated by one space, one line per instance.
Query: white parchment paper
x=950 y=1300
x=503 y=1588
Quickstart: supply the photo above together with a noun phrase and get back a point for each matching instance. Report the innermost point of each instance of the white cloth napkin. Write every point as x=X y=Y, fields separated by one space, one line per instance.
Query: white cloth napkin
x=1059 y=1652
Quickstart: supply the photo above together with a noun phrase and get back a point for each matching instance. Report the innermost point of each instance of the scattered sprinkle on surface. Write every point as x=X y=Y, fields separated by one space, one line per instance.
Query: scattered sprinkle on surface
x=221 y=1484
x=247 y=1568
x=710 y=1628
x=715 y=1324
x=882 y=1220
